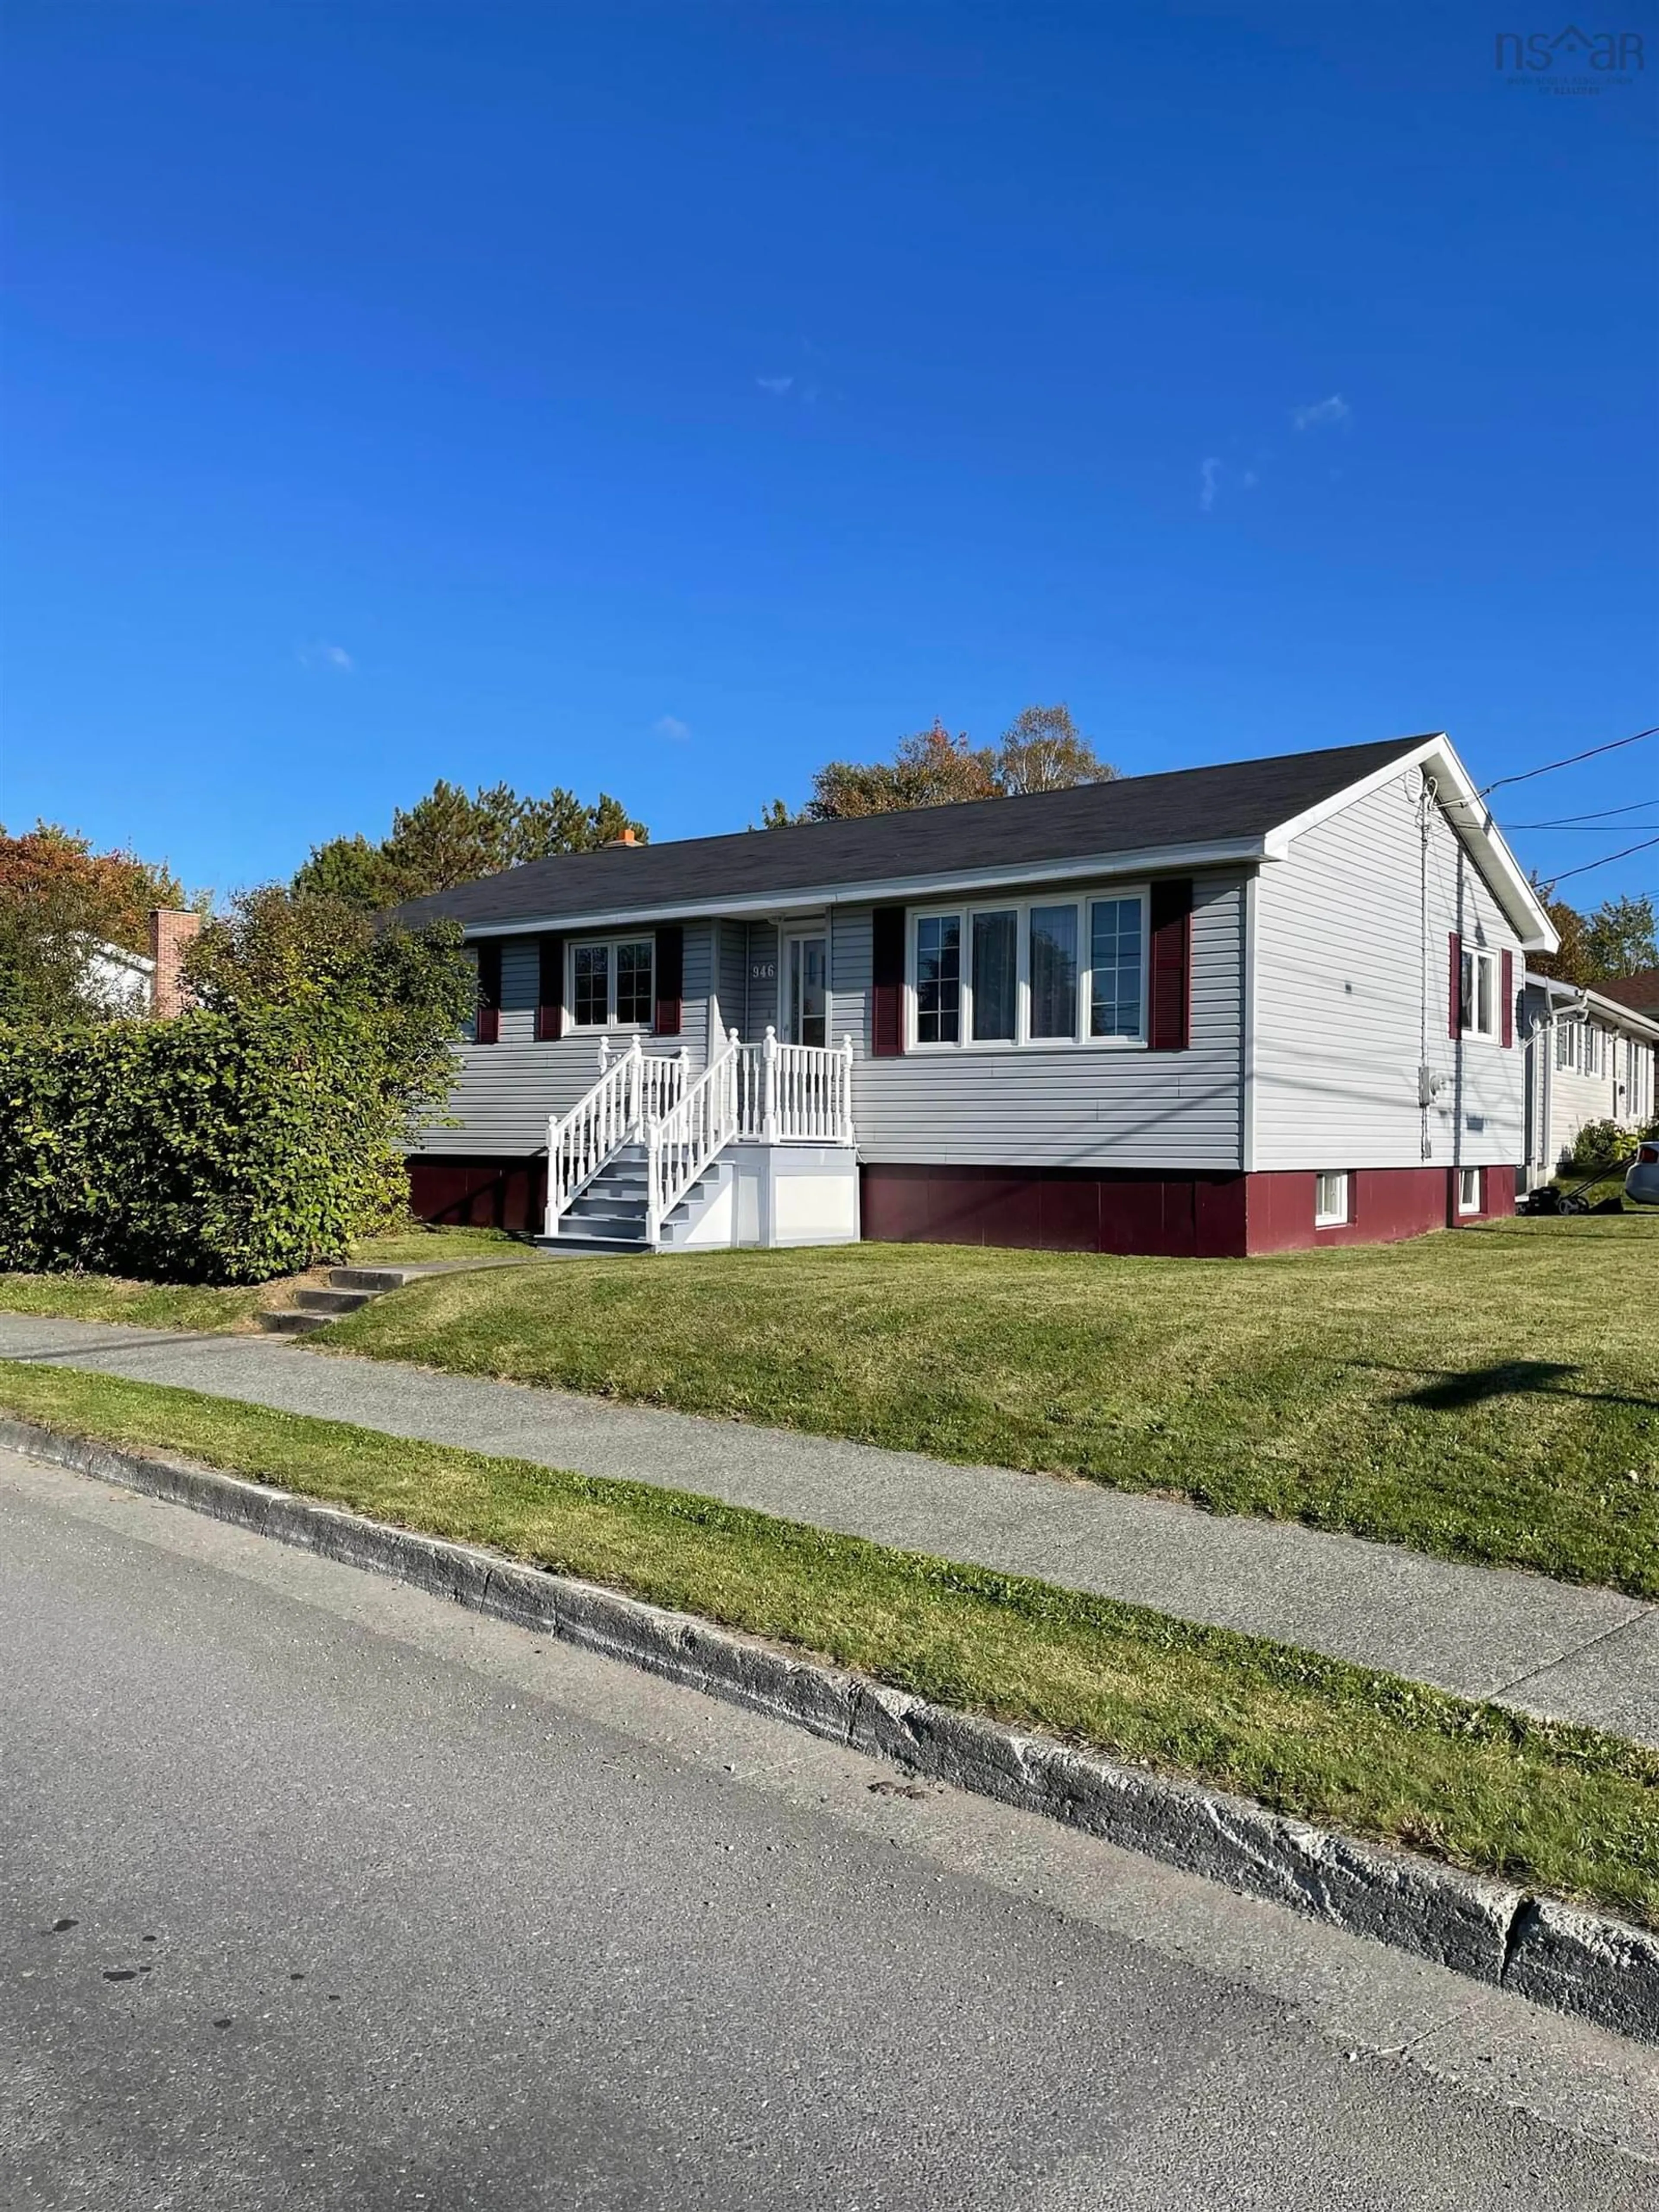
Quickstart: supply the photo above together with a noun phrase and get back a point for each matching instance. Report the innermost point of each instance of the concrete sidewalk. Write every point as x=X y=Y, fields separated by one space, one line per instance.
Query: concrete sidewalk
x=1545 y=1647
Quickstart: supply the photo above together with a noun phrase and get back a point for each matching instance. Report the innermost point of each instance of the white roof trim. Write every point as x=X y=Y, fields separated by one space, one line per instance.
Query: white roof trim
x=1613 y=1012
x=1157 y=860
x=1469 y=816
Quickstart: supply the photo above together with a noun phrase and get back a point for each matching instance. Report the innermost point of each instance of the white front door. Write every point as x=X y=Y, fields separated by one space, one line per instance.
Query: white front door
x=807 y=989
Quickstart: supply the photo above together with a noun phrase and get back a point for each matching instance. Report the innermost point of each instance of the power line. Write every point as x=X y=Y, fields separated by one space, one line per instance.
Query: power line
x=1567 y=821
x=1592 y=828
x=1572 y=760
x=1607 y=861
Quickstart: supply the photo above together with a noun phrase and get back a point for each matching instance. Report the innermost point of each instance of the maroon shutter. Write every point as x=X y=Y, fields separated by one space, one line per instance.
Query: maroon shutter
x=1170 y=1026
x=489 y=1029
x=887 y=977
x=1509 y=998
x=671 y=980
x=550 y=992
x=1454 y=1004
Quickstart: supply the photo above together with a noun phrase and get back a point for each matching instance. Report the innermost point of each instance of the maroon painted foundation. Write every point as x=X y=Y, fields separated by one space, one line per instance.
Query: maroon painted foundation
x=1213 y=1217
x=1201 y=1217
x=472 y=1193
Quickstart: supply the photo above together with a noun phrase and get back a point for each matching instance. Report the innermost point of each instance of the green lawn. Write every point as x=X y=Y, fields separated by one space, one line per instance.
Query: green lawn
x=1489 y=1393
x=1561 y=1809
x=197 y=1306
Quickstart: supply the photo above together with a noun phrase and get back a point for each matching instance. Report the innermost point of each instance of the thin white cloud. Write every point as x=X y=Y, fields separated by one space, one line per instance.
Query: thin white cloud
x=1209 y=482
x=322 y=655
x=777 y=386
x=671 y=727
x=1323 y=414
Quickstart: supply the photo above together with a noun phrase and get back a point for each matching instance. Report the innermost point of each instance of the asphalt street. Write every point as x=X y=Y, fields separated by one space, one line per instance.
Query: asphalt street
x=315 y=1892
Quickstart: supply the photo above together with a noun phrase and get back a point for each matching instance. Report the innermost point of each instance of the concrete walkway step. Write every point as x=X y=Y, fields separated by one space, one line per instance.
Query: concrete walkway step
x=351 y=1287
x=1545 y=1647
x=292 y=1321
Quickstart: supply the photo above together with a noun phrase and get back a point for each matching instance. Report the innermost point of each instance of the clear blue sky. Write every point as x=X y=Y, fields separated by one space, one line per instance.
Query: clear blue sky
x=667 y=399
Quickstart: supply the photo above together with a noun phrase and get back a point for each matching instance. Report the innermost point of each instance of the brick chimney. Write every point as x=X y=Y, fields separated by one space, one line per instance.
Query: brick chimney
x=627 y=837
x=171 y=929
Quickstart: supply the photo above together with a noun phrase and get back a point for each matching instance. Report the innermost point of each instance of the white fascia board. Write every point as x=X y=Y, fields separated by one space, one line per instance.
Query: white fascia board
x=1618 y=1016
x=1159 y=859
x=1469 y=816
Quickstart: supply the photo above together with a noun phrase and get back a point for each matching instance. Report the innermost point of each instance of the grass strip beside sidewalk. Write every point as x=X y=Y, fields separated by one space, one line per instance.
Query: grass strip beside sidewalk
x=1563 y=1810
x=1487 y=1394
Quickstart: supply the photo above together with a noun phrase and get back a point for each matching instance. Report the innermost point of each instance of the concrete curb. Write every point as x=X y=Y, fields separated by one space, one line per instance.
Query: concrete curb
x=1556 y=1955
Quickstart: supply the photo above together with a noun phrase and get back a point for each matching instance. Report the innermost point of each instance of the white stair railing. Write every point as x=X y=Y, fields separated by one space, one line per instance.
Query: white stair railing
x=633 y=1086
x=686 y=1140
x=769 y=1093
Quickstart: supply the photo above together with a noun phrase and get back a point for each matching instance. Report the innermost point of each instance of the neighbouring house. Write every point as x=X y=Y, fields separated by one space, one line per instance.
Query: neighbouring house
x=1237 y=1009
x=1639 y=991
x=119 y=980
x=1588 y=1058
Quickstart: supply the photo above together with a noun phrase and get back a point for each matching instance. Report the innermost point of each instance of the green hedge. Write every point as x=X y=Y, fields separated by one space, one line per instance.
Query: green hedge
x=1610 y=1141
x=215 y=1148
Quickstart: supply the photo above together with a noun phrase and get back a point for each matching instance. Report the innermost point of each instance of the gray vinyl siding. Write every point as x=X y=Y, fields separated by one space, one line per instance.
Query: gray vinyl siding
x=505 y=1092
x=761 y=1009
x=1061 y=1106
x=732 y=975
x=1351 y=992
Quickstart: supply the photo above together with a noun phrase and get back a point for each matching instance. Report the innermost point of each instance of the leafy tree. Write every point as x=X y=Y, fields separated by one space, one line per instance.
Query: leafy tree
x=1617 y=939
x=59 y=900
x=346 y=868
x=400 y=994
x=1041 y=750
x=454 y=836
x=931 y=768
x=1621 y=938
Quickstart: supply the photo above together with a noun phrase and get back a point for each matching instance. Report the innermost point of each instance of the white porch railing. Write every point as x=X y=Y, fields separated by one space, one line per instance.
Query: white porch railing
x=633 y=1085
x=767 y=1093
x=777 y=1094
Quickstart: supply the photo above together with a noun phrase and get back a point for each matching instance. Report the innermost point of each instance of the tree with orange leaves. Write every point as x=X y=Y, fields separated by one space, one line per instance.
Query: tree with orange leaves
x=59 y=902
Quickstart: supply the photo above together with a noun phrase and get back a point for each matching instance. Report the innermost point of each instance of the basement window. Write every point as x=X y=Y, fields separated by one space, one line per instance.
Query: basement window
x=1330 y=1199
x=1468 y=1190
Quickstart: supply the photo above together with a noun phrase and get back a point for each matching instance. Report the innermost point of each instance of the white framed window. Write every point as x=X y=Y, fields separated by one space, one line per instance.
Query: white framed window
x=1042 y=971
x=611 y=983
x=1468 y=1190
x=1478 y=994
x=1563 y=1031
x=1330 y=1198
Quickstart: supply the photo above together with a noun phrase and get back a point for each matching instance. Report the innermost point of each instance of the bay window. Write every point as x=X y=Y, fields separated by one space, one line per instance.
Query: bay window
x=938 y=979
x=1115 y=943
x=1047 y=971
x=996 y=976
x=1054 y=971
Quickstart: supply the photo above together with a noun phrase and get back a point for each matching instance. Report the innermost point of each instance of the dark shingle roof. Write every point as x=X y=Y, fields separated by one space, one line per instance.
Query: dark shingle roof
x=1639 y=991
x=1238 y=799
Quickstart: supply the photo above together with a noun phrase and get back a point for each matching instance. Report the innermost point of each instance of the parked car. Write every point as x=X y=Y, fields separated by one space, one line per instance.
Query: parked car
x=1641 y=1177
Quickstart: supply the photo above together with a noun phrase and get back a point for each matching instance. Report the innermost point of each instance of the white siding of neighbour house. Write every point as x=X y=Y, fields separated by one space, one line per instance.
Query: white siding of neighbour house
x=505 y=1092
x=1060 y=1106
x=1352 y=985
x=1581 y=1072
